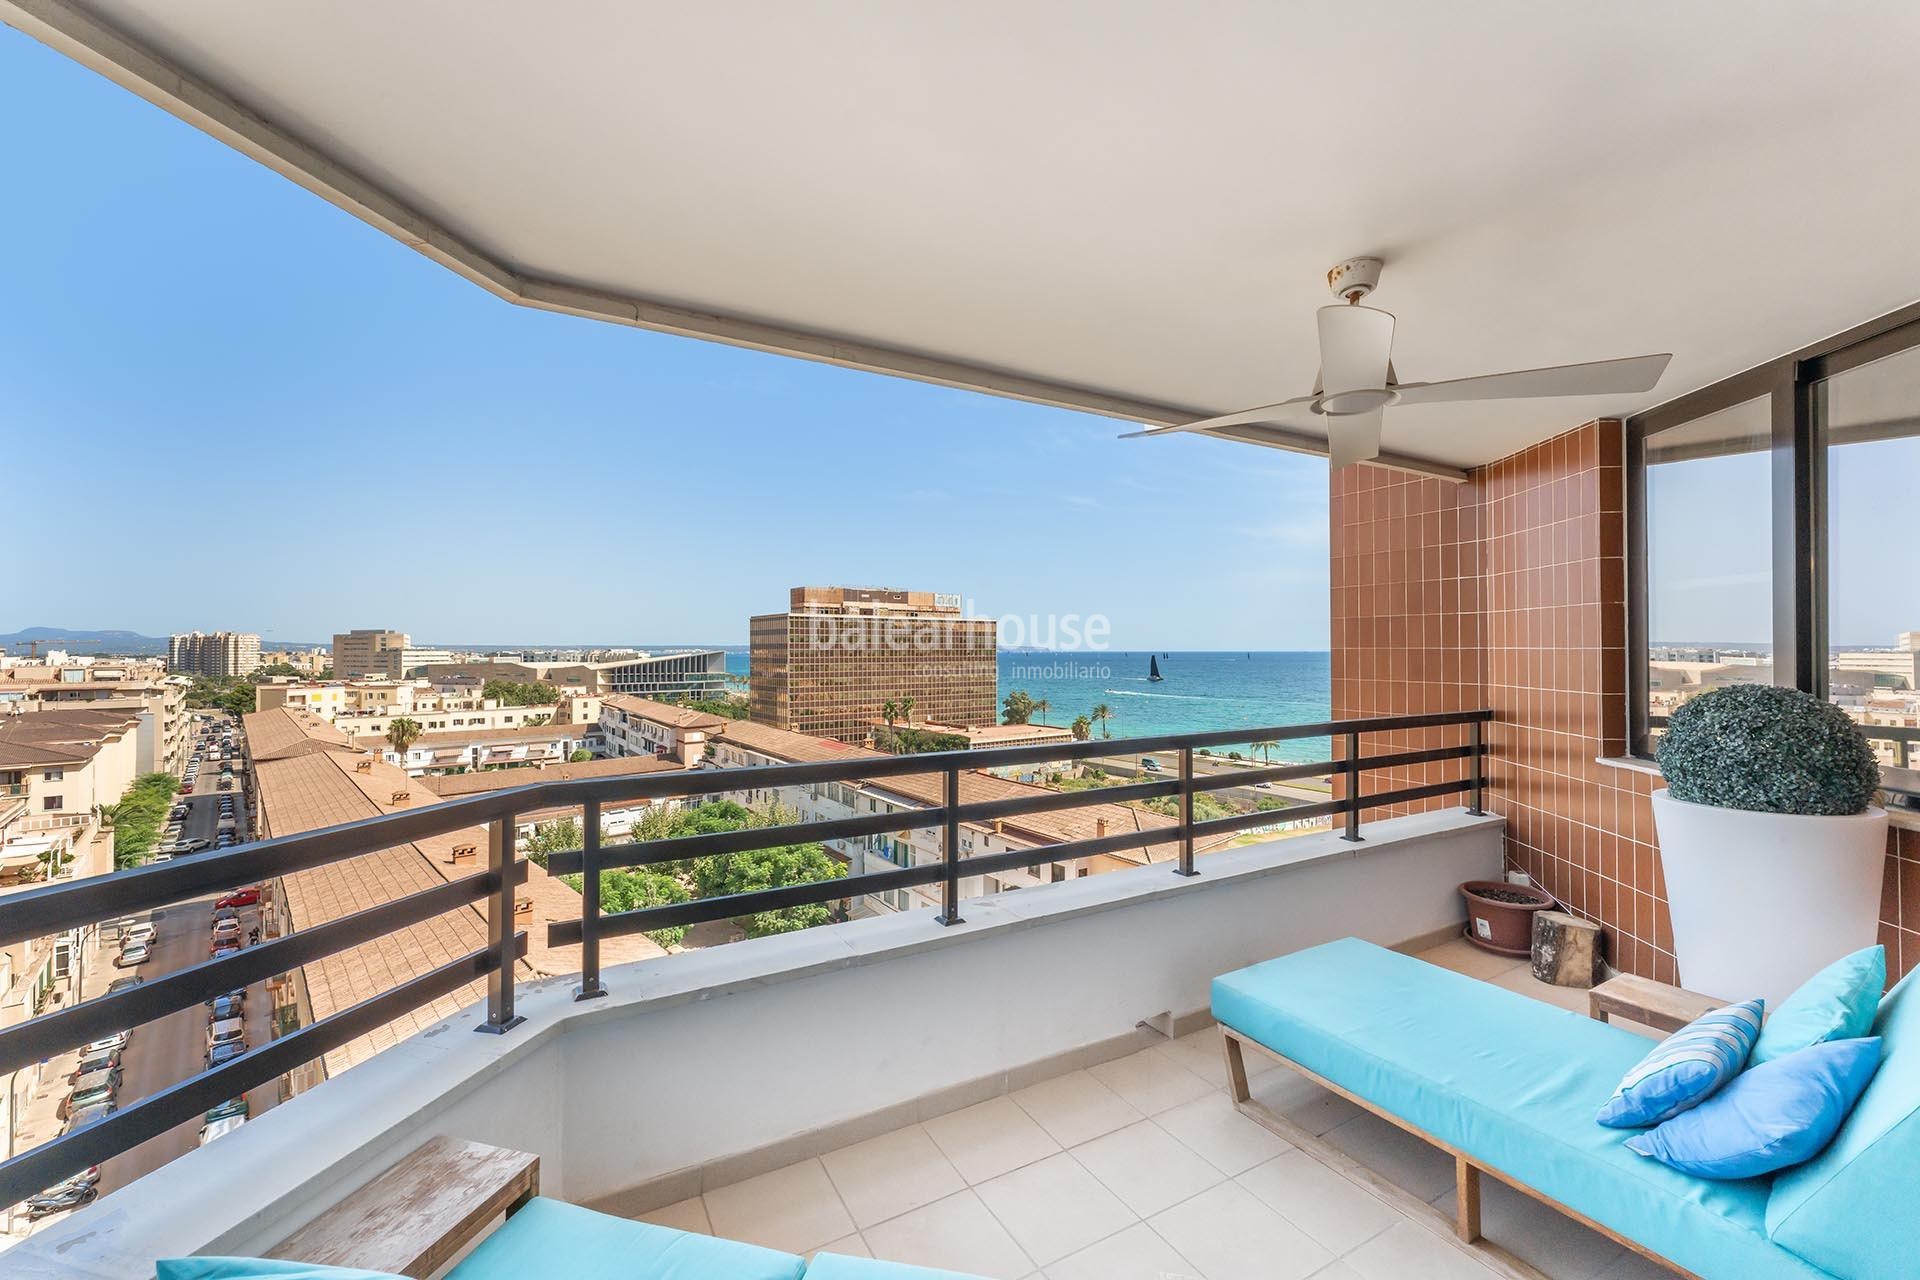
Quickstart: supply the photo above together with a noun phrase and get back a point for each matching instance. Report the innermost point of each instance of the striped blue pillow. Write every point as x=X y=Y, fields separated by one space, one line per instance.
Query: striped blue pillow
x=1684 y=1069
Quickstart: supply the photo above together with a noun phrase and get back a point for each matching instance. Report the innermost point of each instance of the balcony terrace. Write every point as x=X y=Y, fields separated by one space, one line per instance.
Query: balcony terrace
x=1125 y=211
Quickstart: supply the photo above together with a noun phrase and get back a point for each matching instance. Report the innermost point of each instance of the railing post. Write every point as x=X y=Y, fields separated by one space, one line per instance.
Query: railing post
x=1479 y=772
x=500 y=1015
x=950 y=851
x=1352 y=763
x=1185 y=865
x=591 y=987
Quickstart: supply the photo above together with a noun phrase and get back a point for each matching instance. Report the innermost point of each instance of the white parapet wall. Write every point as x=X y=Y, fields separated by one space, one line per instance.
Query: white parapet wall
x=707 y=1066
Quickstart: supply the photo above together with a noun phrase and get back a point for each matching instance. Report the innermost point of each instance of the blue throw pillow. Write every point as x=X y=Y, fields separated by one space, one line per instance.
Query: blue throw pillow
x=1684 y=1069
x=258 y=1269
x=1837 y=1003
x=1777 y=1114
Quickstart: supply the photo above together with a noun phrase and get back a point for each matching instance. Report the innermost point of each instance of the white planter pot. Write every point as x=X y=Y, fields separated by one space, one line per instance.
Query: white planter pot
x=1763 y=901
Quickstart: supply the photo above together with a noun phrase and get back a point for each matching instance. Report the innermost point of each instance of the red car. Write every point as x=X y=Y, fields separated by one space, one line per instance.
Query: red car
x=186 y=788
x=238 y=898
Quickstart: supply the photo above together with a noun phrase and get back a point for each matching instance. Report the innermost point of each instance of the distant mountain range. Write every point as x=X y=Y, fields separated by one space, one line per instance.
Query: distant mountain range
x=73 y=640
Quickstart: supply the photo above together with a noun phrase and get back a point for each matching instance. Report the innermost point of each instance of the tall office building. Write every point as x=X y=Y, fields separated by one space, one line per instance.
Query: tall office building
x=828 y=664
x=361 y=653
x=221 y=655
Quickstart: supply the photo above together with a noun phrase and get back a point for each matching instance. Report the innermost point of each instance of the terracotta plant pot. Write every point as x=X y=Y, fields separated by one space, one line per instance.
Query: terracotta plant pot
x=1504 y=927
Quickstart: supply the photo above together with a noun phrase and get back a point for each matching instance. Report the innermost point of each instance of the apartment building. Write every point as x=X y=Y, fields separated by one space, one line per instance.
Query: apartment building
x=365 y=708
x=310 y=662
x=220 y=655
x=828 y=664
x=688 y=674
x=618 y=818
x=631 y=726
x=362 y=653
x=164 y=738
x=742 y=743
x=477 y=747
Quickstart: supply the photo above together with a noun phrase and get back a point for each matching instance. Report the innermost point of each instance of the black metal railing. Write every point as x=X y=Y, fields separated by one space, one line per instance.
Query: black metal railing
x=52 y=909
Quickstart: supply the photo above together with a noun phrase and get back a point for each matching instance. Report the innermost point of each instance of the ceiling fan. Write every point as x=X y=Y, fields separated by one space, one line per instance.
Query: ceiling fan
x=1356 y=383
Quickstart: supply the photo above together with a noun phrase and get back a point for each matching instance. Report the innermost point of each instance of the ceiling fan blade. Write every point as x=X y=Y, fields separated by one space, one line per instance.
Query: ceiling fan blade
x=1600 y=378
x=1353 y=437
x=1356 y=346
x=1294 y=411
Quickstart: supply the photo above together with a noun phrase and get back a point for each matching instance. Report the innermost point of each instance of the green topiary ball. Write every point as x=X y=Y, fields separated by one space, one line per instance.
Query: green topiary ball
x=1755 y=746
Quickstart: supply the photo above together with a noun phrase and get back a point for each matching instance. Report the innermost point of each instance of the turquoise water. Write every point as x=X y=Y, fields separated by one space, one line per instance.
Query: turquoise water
x=1200 y=691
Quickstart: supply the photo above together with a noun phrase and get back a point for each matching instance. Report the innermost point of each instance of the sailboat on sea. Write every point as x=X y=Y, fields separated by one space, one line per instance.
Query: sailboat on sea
x=1153 y=669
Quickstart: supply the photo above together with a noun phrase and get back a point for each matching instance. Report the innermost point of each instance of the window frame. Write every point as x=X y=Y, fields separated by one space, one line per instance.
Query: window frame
x=1794 y=386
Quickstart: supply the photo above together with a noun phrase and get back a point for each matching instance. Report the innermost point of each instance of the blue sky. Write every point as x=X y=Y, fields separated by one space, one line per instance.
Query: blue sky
x=234 y=406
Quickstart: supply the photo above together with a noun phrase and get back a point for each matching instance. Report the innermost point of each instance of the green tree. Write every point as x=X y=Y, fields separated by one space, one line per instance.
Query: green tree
x=402 y=733
x=534 y=722
x=759 y=869
x=1018 y=708
x=639 y=887
x=1102 y=714
x=889 y=711
x=906 y=741
x=562 y=835
x=906 y=710
x=1040 y=708
x=1082 y=728
x=1265 y=747
x=580 y=756
x=138 y=816
x=731 y=706
x=514 y=693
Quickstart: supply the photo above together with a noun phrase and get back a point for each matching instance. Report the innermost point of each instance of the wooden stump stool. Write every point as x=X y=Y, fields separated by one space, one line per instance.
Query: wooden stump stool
x=1566 y=949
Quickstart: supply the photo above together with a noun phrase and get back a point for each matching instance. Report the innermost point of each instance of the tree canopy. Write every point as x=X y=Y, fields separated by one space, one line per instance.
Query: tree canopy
x=516 y=693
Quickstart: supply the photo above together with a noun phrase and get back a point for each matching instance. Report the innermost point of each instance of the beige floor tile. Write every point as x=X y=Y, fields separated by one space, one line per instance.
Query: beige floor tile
x=1336 y=1270
x=685 y=1215
x=1300 y=1100
x=1462 y=956
x=1134 y=1254
x=1075 y=1107
x=1407 y=1250
x=1230 y=1234
x=1201 y=1052
x=1521 y=979
x=794 y=1209
x=1147 y=1167
x=886 y=1176
x=1149 y=1081
x=1224 y=1138
x=1394 y=1154
x=1631 y=1266
x=954 y=1234
x=1547 y=1238
x=1054 y=1208
x=853 y=1246
x=1322 y=1203
x=990 y=1139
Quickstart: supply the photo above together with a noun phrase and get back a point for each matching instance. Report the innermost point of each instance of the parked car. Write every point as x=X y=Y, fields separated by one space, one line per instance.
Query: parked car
x=94 y=1079
x=96 y=1062
x=1149 y=764
x=85 y=1116
x=192 y=846
x=224 y=1053
x=71 y=1194
x=237 y=996
x=226 y=930
x=106 y=1044
x=226 y=1007
x=220 y=1128
x=226 y=1031
x=161 y=857
x=80 y=1099
x=186 y=787
x=134 y=953
x=121 y=984
x=231 y=1107
x=141 y=932
x=239 y=898
x=221 y=950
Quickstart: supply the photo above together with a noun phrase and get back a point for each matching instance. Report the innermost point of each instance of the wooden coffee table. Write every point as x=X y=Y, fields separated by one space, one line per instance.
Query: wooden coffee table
x=1653 y=1004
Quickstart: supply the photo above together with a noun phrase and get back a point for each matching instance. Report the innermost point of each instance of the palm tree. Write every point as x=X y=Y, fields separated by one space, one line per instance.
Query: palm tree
x=1101 y=715
x=1082 y=729
x=1040 y=708
x=1265 y=747
x=889 y=711
x=401 y=734
x=906 y=710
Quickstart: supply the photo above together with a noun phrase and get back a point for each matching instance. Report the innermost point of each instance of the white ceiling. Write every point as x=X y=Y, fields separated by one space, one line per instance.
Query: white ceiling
x=1130 y=200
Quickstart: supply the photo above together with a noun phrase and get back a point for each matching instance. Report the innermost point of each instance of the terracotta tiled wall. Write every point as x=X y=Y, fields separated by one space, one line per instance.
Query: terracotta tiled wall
x=1509 y=591
x=1406 y=575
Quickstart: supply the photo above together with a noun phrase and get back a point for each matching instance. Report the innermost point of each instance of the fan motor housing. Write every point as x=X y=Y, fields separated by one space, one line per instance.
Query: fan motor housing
x=1354 y=278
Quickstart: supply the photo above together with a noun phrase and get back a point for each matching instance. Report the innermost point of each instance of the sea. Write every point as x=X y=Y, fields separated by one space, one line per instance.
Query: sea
x=1198 y=691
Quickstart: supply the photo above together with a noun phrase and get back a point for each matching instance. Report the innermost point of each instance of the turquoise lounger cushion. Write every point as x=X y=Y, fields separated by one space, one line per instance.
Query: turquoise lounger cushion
x=1774 y=1116
x=1850 y=1209
x=1685 y=1069
x=836 y=1266
x=258 y=1269
x=553 y=1238
x=1509 y=1080
x=1837 y=1003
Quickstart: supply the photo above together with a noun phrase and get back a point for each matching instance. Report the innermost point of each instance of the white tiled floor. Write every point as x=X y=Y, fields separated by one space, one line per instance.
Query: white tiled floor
x=1141 y=1169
